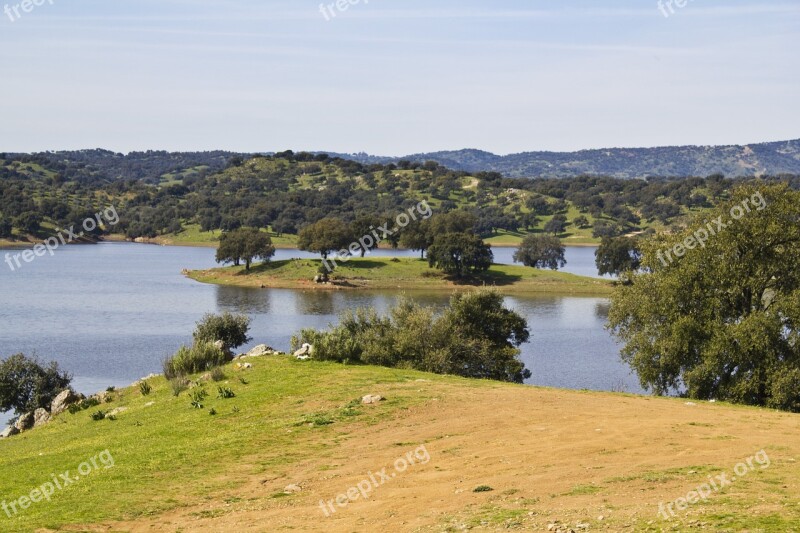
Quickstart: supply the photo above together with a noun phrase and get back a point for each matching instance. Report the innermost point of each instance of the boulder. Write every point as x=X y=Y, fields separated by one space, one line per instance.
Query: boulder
x=291 y=489
x=225 y=349
x=115 y=412
x=61 y=402
x=24 y=422
x=372 y=398
x=305 y=350
x=260 y=351
x=40 y=417
x=9 y=432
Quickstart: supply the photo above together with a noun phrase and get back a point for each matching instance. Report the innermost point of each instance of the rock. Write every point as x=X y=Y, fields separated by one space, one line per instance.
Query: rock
x=227 y=351
x=372 y=399
x=243 y=366
x=306 y=349
x=291 y=489
x=24 y=422
x=116 y=411
x=10 y=431
x=149 y=404
x=40 y=417
x=260 y=351
x=61 y=402
x=151 y=376
x=303 y=358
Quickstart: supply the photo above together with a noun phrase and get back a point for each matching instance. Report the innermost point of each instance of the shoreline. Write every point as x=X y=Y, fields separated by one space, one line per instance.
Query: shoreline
x=399 y=274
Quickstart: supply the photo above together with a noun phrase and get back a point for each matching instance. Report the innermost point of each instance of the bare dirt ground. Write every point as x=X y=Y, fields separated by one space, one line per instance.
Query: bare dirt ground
x=555 y=460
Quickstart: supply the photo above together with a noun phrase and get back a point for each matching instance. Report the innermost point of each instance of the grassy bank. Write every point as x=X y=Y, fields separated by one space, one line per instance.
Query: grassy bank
x=398 y=273
x=540 y=455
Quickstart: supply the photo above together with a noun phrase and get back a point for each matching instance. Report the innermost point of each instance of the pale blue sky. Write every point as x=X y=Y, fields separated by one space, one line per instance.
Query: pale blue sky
x=394 y=77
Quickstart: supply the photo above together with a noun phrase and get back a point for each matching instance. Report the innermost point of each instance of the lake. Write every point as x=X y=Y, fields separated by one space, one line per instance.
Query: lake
x=111 y=313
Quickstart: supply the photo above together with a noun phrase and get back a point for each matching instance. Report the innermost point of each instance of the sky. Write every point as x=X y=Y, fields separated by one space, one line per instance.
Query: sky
x=392 y=77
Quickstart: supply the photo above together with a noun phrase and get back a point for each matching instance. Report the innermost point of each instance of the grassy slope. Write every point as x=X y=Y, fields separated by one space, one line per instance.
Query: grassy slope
x=548 y=454
x=400 y=273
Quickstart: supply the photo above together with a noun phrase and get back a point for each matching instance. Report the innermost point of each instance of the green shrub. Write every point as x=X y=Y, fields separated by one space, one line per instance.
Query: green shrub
x=26 y=385
x=199 y=358
x=483 y=488
x=475 y=337
x=98 y=415
x=227 y=327
x=225 y=393
x=145 y=388
x=178 y=384
x=217 y=374
x=197 y=397
x=82 y=405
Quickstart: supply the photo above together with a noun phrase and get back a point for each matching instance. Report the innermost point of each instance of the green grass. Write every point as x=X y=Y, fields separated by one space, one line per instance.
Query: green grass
x=400 y=274
x=168 y=454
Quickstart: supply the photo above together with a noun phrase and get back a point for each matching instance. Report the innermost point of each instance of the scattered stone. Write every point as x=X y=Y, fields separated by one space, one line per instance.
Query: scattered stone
x=40 y=417
x=10 y=431
x=691 y=404
x=372 y=399
x=291 y=489
x=306 y=349
x=115 y=412
x=61 y=402
x=149 y=404
x=243 y=366
x=24 y=422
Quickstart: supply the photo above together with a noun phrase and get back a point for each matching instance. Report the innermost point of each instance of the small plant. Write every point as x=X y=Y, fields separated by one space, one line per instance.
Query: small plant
x=212 y=412
x=83 y=405
x=109 y=398
x=111 y=389
x=235 y=409
x=483 y=488
x=98 y=415
x=178 y=385
x=225 y=393
x=243 y=381
x=197 y=397
x=217 y=374
x=145 y=388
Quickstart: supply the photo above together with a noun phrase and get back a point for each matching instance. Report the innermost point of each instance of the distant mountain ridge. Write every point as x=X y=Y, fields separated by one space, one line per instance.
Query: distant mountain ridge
x=759 y=159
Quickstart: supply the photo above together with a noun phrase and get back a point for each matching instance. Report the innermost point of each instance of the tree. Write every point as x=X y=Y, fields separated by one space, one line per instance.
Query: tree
x=417 y=236
x=617 y=255
x=244 y=245
x=326 y=236
x=229 y=328
x=460 y=253
x=556 y=225
x=714 y=313
x=26 y=385
x=581 y=222
x=541 y=251
x=362 y=227
x=28 y=222
x=5 y=227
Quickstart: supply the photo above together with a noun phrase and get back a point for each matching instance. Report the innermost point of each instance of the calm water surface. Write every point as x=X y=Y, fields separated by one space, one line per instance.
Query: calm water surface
x=111 y=313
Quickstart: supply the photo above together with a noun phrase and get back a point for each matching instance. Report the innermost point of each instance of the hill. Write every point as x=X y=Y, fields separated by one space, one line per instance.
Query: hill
x=447 y=454
x=626 y=163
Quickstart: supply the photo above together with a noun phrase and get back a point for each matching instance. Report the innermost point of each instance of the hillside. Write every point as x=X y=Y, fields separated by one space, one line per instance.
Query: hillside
x=486 y=456
x=731 y=161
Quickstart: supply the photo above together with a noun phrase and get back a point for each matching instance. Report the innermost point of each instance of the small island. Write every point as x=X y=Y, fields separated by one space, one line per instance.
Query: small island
x=394 y=273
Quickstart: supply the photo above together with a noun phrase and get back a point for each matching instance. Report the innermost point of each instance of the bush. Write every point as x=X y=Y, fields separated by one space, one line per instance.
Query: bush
x=178 y=384
x=217 y=374
x=145 y=388
x=476 y=337
x=199 y=358
x=83 y=405
x=227 y=327
x=26 y=385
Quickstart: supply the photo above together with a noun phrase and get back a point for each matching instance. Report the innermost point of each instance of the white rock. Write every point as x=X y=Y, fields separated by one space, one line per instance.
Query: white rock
x=372 y=399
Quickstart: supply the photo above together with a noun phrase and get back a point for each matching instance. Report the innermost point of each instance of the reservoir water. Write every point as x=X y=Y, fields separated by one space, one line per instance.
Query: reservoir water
x=111 y=313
